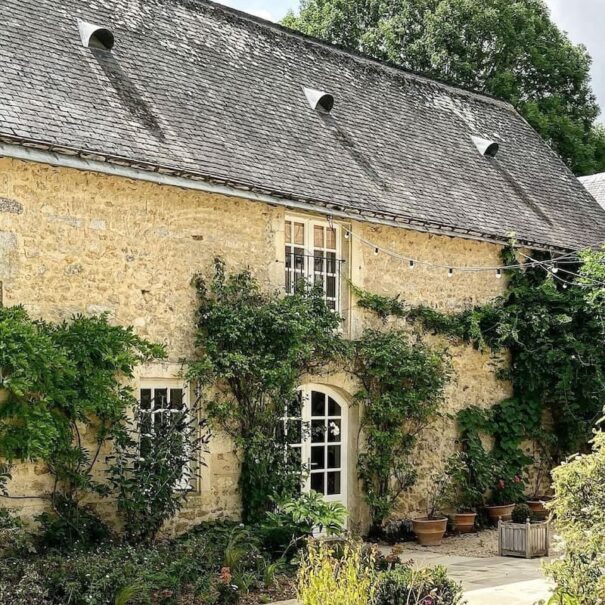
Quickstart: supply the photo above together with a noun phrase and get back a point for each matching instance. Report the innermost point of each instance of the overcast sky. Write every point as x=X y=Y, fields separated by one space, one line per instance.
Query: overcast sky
x=583 y=20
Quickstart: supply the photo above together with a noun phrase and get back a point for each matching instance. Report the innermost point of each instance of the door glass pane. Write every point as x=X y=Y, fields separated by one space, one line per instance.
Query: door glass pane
x=333 y=483
x=317 y=482
x=145 y=399
x=334 y=430
x=334 y=456
x=318 y=460
x=333 y=408
x=318 y=404
x=318 y=431
x=161 y=399
x=295 y=407
x=294 y=431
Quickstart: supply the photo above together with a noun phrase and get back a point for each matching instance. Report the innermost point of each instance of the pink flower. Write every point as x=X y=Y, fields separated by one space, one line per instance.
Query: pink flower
x=517 y=479
x=501 y=484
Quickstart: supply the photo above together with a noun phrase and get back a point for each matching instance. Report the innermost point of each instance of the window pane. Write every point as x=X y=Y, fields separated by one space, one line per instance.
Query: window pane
x=318 y=237
x=288 y=232
x=334 y=456
x=176 y=399
x=160 y=399
x=333 y=408
x=318 y=460
x=331 y=239
x=317 y=482
x=334 y=430
x=299 y=259
x=318 y=404
x=299 y=234
x=331 y=262
x=333 y=483
x=318 y=431
x=318 y=261
x=296 y=456
x=331 y=287
x=145 y=399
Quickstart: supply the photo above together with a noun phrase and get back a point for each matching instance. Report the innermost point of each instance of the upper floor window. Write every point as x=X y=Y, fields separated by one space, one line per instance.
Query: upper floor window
x=313 y=256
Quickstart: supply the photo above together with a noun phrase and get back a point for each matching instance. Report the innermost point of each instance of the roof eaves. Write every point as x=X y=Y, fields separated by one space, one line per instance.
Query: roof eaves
x=279 y=197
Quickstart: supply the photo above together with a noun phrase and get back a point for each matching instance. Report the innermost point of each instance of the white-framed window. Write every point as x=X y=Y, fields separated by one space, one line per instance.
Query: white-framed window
x=160 y=400
x=313 y=255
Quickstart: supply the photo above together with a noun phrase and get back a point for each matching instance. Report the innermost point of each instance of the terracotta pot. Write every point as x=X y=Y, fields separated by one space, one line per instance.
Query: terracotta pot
x=429 y=532
x=504 y=512
x=537 y=506
x=464 y=523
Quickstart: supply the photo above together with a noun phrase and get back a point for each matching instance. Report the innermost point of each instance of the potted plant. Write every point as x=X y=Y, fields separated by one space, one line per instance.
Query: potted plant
x=469 y=480
x=508 y=491
x=543 y=463
x=430 y=530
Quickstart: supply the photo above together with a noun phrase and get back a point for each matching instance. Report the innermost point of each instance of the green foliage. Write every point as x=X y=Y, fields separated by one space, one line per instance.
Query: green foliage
x=152 y=469
x=60 y=382
x=198 y=566
x=402 y=386
x=297 y=518
x=405 y=584
x=579 y=507
x=254 y=348
x=507 y=48
x=521 y=513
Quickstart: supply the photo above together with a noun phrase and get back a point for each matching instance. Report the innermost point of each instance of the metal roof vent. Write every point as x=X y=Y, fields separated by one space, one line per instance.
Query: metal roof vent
x=486 y=147
x=95 y=36
x=319 y=100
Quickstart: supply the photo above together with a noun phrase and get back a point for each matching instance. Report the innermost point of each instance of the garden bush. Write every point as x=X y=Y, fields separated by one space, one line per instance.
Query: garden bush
x=579 y=507
x=344 y=578
x=406 y=585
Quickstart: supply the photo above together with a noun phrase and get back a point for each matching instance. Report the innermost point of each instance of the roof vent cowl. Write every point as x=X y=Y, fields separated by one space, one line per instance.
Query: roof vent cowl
x=486 y=147
x=319 y=100
x=95 y=36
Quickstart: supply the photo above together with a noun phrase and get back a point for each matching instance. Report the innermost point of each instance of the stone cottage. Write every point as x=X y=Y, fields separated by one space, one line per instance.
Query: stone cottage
x=141 y=138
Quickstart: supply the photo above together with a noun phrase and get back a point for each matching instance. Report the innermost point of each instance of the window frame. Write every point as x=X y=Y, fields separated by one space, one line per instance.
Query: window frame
x=309 y=250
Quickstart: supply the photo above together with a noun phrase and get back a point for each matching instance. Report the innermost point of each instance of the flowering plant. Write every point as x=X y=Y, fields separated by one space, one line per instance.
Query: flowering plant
x=509 y=489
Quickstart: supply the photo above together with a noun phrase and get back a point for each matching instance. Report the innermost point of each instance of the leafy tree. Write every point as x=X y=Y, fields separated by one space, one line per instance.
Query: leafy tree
x=507 y=48
x=402 y=386
x=255 y=346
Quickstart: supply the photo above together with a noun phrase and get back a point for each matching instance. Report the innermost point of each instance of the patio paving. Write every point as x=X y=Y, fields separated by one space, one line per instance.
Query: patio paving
x=493 y=580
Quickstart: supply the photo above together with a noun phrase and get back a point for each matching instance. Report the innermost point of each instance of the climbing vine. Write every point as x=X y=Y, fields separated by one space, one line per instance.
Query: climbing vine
x=402 y=382
x=555 y=337
x=255 y=346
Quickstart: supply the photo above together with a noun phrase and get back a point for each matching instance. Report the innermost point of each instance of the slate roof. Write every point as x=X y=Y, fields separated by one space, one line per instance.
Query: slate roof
x=206 y=91
x=596 y=186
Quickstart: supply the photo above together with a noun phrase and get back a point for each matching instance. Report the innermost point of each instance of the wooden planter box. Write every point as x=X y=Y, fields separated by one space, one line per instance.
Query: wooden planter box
x=527 y=540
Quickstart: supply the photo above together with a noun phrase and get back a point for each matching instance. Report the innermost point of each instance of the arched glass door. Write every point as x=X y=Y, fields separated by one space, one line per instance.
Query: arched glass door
x=318 y=429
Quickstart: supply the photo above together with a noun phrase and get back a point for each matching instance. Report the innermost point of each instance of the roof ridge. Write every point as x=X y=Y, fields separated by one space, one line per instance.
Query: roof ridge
x=599 y=176
x=358 y=55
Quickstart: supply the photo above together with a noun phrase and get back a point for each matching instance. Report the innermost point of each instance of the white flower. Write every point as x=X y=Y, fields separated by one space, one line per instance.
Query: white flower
x=334 y=429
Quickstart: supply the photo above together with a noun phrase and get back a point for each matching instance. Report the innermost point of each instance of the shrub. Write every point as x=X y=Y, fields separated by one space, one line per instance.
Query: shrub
x=152 y=476
x=579 y=506
x=296 y=518
x=404 y=584
x=348 y=579
x=521 y=513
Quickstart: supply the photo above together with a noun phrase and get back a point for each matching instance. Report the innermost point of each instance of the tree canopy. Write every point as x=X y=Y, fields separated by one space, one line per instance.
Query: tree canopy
x=507 y=48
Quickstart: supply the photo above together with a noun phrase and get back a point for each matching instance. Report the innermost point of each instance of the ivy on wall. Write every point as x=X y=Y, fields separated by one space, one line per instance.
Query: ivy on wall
x=555 y=336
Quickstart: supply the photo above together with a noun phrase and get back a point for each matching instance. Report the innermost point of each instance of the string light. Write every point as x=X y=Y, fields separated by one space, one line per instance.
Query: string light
x=376 y=251
x=498 y=273
x=450 y=272
x=555 y=269
x=412 y=264
x=347 y=234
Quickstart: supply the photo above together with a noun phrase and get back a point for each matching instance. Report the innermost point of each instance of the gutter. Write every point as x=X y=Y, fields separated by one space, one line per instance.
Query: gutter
x=120 y=167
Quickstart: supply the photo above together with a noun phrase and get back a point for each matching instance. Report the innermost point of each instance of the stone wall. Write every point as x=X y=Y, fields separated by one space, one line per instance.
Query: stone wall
x=74 y=241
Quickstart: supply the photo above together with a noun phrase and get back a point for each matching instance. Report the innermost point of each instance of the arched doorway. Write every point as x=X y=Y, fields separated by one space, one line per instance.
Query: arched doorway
x=322 y=416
